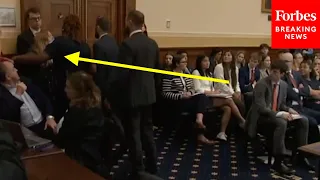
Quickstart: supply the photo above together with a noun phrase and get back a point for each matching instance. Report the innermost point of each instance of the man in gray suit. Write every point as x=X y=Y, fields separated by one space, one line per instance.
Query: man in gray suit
x=269 y=108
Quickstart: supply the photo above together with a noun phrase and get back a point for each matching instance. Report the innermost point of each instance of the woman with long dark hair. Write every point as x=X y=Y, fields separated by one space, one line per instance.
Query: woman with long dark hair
x=206 y=87
x=167 y=64
x=70 y=42
x=180 y=93
x=228 y=70
x=215 y=58
x=264 y=66
x=309 y=76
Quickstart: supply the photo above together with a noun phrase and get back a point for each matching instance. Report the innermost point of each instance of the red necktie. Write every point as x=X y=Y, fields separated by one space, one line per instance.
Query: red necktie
x=252 y=76
x=293 y=81
x=275 y=97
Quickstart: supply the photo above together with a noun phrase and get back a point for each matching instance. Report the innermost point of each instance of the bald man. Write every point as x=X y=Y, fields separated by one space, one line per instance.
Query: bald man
x=297 y=90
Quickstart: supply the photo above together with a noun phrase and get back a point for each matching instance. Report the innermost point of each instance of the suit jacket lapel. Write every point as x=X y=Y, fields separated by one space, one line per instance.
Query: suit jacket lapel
x=270 y=92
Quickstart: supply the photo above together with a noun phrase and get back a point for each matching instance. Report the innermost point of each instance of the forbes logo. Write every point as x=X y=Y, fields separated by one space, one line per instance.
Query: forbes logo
x=281 y=15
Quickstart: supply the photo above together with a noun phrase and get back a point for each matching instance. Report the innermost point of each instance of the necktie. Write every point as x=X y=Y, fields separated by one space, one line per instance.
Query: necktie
x=275 y=97
x=293 y=81
x=252 y=76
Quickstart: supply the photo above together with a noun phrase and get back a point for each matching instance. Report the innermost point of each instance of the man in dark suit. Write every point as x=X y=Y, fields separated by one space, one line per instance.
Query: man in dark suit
x=134 y=93
x=106 y=49
x=22 y=102
x=11 y=167
x=249 y=75
x=26 y=39
x=297 y=89
x=269 y=108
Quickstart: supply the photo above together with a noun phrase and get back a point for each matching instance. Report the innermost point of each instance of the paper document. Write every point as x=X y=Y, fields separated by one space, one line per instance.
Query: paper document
x=295 y=116
x=221 y=95
x=196 y=94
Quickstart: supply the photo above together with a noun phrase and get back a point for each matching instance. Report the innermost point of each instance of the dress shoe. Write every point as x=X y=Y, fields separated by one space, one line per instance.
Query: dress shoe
x=282 y=169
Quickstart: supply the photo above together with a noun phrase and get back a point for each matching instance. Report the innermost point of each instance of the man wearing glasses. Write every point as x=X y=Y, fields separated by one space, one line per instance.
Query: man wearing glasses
x=26 y=39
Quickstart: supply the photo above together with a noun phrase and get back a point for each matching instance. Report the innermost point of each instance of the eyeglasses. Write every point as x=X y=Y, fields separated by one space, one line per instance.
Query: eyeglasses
x=35 y=18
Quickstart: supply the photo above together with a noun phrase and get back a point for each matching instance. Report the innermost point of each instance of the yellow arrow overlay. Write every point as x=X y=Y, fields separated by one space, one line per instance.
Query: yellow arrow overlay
x=75 y=58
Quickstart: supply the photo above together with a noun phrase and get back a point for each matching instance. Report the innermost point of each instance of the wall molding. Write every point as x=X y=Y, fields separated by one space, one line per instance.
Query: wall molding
x=171 y=40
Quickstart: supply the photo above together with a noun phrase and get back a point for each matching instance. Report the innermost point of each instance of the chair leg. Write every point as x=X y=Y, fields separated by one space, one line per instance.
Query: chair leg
x=269 y=158
x=270 y=150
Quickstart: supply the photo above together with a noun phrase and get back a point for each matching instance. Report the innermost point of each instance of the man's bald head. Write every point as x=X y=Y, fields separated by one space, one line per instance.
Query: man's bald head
x=287 y=57
x=7 y=71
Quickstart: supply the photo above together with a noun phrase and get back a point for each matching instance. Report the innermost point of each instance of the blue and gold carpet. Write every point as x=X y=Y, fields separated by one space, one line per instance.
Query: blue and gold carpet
x=183 y=160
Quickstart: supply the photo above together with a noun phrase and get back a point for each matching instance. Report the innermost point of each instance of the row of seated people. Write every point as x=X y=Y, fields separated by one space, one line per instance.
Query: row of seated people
x=193 y=95
x=243 y=81
x=184 y=93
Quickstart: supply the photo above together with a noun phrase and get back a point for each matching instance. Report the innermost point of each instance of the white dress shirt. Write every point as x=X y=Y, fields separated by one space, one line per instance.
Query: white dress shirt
x=29 y=112
x=134 y=32
x=104 y=34
x=225 y=88
x=294 y=103
x=200 y=86
x=34 y=32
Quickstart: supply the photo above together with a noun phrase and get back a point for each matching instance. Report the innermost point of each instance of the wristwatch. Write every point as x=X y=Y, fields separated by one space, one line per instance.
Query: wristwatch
x=50 y=117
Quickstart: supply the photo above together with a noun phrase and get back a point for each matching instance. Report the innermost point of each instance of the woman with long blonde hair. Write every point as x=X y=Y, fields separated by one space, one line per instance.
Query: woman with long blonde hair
x=41 y=40
x=81 y=130
x=240 y=59
x=45 y=80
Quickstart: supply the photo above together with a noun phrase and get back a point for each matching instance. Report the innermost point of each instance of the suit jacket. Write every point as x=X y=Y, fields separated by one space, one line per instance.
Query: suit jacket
x=244 y=78
x=262 y=103
x=105 y=49
x=133 y=88
x=292 y=94
x=24 y=41
x=81 y=135
x=10 y=105
x=11 y=166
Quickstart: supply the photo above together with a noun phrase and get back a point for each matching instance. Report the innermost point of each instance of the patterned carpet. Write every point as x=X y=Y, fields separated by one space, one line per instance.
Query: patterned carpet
x=183 y=160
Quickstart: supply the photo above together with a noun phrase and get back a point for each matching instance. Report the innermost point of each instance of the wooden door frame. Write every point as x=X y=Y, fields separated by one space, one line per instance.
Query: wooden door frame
x=123 y=8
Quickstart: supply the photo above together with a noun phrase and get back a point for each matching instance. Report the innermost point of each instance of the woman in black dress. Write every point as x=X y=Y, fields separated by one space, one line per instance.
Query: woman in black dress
x=70 y=42
x=308 y=75
x=81 y=131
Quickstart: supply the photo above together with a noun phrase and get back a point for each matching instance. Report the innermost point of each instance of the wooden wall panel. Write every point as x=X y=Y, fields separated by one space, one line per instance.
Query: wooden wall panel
x=194 y=52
